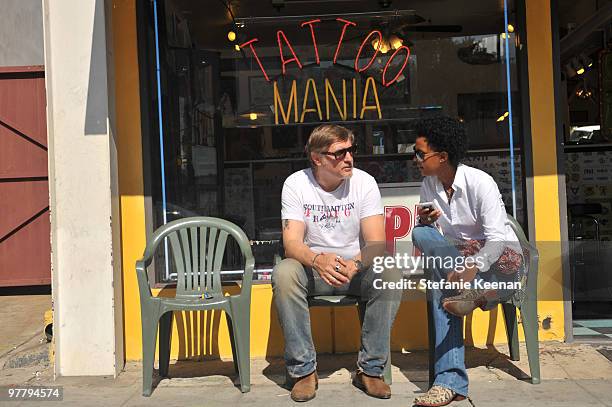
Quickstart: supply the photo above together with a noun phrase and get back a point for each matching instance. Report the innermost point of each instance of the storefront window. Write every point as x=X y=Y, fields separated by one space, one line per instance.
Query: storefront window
x=586 y=112
x=243 y=84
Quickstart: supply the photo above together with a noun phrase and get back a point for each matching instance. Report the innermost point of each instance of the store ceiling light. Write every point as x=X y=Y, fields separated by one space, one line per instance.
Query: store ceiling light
x=236 y=34
x=395 y=41
x=503 y=117
x=586 y=61
x=251 y=115
x=510 y=28
x=254 y=113
x=576 y=67
x=583 y=92
x=391 y=41
x=384 y=47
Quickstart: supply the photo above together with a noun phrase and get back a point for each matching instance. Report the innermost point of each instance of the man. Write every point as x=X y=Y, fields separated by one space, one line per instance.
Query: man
x=325 y=209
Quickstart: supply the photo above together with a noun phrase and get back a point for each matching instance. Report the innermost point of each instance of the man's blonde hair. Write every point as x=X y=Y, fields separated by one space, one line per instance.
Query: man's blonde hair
x=324 y=136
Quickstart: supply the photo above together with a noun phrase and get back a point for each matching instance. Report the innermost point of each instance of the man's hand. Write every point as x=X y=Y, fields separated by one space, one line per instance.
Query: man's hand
x=467 y=275
x=332 y=269
x=350 y=270
x=427 y=216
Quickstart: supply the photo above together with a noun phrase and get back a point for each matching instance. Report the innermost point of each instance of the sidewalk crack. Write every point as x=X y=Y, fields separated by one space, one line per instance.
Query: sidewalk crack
x=590 y=393
x=132 y=396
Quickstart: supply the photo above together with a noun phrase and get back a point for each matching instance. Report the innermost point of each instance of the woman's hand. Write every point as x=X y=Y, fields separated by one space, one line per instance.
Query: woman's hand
x=428 y=216
x=330 y=267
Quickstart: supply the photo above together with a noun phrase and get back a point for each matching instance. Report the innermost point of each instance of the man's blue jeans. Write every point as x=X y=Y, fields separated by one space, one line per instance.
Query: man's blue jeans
x=292 y=284
x=449 y=356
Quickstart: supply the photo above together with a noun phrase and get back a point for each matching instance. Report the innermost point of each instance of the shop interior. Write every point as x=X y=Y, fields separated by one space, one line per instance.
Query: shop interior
x=585 y=55
x=225 y=125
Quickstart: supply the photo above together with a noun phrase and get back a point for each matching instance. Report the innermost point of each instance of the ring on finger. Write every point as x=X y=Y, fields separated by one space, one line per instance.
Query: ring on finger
x=337 y=267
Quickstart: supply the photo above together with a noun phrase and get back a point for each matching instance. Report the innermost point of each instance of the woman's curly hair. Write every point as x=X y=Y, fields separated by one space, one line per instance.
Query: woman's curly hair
x=445 y=134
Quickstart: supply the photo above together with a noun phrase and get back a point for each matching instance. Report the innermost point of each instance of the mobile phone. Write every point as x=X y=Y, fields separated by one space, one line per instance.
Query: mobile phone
x=430 y=206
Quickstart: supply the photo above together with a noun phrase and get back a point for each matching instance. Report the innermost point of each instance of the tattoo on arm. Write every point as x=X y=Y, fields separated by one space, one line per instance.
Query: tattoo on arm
x=285 y=224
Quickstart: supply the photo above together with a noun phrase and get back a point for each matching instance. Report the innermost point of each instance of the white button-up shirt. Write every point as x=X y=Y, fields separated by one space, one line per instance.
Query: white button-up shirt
x=476 y=211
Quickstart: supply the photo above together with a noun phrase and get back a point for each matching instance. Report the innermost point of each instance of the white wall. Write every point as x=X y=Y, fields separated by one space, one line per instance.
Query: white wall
x=21 y=33
x=86 y=256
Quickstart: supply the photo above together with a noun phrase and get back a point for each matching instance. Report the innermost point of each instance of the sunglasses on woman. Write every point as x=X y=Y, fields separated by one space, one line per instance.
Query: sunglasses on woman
x=422 y=156
x=340 y=154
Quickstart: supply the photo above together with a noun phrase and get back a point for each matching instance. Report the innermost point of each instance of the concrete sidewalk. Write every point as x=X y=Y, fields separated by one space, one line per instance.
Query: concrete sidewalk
x=21 y=320
x=22 y=340
x=573 y=375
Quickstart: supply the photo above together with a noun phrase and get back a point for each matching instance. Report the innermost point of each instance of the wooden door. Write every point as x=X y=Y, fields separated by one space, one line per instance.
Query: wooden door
x=25 y=248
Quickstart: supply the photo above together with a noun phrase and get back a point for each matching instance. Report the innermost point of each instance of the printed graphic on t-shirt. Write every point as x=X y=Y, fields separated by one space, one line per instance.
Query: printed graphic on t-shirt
x=327 y=217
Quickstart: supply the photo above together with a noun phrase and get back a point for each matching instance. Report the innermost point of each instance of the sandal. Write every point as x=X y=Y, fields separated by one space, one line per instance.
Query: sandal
x=437 y=396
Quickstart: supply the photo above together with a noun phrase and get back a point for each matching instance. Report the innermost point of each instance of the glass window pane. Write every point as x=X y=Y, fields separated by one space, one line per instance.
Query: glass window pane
x=235 y=119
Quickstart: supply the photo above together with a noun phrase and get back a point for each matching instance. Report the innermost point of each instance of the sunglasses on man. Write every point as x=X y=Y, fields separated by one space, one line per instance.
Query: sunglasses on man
x=340 y=154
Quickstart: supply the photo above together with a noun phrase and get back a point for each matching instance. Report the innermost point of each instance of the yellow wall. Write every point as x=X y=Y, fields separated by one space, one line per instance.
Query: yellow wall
x=205 y=334
x=545 y=180
x=129 y=148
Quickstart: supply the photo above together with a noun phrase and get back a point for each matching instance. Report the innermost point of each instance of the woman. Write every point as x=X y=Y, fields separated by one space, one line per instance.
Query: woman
x=467 y=223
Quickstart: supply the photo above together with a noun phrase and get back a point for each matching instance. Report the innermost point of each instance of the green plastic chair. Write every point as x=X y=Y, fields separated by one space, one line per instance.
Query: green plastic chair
x=197 y=245
x=527 y=306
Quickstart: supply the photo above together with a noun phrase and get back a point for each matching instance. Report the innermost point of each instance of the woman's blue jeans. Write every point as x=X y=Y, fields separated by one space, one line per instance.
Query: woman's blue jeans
x=449 y=356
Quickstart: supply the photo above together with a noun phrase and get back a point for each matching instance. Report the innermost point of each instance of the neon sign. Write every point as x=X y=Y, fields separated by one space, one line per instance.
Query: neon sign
x=311 y=87
x=311 y=104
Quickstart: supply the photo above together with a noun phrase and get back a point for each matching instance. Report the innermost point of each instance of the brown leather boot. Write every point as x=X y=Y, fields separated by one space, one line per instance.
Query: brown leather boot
x=373 y=386
x=305 y=387
x=466 y=302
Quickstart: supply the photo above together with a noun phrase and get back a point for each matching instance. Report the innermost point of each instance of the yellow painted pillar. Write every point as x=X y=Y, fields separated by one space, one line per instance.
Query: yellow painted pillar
x=545 y=171
x=129 y=150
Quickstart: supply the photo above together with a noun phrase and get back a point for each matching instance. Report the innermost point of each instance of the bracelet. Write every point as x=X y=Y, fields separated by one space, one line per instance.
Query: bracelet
x=314 y=258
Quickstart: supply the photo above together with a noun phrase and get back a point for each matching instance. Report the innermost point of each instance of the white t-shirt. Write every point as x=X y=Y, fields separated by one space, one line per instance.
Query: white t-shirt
x=476 y=212
x=332 y=219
